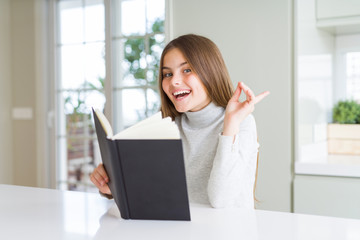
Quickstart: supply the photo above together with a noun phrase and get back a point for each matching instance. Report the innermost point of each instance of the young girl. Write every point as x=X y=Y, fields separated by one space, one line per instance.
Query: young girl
x=217 y=130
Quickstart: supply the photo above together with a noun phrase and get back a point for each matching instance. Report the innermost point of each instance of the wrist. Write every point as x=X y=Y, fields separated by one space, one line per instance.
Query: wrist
x=230 y=130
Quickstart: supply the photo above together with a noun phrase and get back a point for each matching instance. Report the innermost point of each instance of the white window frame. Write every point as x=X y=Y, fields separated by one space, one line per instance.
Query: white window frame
x=47 y=60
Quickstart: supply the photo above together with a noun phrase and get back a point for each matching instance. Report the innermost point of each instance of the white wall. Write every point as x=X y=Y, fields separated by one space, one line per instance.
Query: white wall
x=6 y=168
x=255 y=38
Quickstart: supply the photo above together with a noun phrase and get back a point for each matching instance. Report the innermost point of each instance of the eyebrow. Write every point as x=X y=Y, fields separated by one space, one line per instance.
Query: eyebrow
x=182 y=64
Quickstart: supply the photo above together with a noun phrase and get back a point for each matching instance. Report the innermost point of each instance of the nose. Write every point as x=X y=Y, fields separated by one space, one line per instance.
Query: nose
x=176 y=80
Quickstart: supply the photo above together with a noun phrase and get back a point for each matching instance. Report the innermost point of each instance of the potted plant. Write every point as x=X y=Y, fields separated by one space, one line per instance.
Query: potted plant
x=344 y=133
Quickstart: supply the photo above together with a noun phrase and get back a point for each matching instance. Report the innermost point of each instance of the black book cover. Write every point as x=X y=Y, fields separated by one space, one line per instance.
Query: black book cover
x=146 y=176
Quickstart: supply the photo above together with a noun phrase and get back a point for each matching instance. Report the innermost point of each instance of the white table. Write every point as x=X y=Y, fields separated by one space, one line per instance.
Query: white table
x=34 y=213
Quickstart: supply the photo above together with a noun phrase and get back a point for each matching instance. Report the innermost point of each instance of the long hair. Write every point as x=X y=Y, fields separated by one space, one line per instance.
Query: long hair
x=206 y=61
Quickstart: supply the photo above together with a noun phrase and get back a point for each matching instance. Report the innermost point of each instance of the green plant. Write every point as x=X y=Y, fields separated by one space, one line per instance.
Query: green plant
x=347 y=112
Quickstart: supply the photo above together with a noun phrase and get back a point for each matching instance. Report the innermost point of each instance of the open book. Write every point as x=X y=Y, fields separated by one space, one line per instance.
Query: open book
x=146 y=169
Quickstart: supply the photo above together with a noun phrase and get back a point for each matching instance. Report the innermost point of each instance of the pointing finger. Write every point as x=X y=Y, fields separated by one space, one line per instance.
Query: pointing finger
x=261 y=96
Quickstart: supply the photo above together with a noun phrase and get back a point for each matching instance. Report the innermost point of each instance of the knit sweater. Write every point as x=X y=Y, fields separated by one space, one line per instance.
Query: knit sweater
x=219 y=170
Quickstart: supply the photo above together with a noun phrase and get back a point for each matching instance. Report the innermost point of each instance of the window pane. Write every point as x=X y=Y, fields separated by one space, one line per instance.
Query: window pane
x=83 y=157
x=135 y=57
x=82 y=153
x=155 y=12
x=353 y=75
x=153 y=102
x=133 y=17
x=71 y=21
x=152 y=76
x=94 y=99
x=133 y=106
x=94 y=58
x=94 y=20
x=80 y=63
x=72 y=66
x=80 y=150
x=157 y=44
x=130 y=62
x=78 y=103
x=73 y=102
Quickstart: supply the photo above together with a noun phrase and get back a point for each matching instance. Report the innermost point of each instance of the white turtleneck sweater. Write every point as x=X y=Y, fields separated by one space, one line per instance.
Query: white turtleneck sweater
x=219 y=171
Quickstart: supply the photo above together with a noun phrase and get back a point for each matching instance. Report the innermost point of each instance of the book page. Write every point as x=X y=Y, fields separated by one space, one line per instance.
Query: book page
x=154 y=118
x=154 y=127
x=104 y=123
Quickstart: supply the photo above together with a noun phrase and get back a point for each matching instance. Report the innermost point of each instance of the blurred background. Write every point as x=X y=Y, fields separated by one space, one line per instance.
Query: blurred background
x=60 y=58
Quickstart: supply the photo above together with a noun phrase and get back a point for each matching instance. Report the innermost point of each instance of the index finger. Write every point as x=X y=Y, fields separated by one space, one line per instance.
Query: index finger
x=249 y=93
x=237 y=93
x=261 y=96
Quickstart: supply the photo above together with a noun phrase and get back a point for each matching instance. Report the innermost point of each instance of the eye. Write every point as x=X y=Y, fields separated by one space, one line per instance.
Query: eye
x=166 y=75
x=187 y=70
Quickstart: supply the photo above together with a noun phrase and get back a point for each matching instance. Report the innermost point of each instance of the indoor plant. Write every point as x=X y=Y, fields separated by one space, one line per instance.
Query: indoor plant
x=344 y=133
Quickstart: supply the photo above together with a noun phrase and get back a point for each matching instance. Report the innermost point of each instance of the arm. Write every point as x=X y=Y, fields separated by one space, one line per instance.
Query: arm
x=233 y=173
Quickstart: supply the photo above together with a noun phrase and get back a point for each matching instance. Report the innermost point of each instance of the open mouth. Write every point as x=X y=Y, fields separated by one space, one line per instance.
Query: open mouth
x=181 y=94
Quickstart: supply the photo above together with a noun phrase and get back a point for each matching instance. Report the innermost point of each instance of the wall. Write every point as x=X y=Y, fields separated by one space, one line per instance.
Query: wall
x=255 y=38
x=6 y=176
x=23 y=74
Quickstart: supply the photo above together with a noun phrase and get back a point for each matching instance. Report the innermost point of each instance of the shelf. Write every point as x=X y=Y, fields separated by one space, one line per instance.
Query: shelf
x=330 y=165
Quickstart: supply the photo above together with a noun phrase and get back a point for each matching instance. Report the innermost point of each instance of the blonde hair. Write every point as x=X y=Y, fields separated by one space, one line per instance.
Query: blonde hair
x=206 y=61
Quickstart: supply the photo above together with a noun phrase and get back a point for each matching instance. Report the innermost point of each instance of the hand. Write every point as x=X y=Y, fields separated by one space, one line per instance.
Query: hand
x=100 y=178
x=237 y=111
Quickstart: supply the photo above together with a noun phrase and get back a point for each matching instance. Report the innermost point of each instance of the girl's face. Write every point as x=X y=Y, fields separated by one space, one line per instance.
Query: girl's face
x=182 y=86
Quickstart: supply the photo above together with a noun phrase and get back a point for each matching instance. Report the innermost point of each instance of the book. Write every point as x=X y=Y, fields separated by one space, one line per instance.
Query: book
x=145 y=166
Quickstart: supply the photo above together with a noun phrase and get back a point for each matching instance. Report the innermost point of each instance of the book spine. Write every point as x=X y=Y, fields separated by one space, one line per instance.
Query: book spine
x=123 y=200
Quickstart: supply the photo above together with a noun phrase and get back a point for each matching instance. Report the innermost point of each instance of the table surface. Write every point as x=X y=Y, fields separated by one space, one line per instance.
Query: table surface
x=35 y=213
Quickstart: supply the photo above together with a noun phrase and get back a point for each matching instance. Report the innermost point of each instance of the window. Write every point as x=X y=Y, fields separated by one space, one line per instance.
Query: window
x=137 y=48
x=92 y=58
x=353 y=75
x=327 y=70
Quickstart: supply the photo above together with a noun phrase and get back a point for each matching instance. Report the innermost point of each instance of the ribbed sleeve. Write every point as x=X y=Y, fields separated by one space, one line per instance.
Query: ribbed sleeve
x=232 y=175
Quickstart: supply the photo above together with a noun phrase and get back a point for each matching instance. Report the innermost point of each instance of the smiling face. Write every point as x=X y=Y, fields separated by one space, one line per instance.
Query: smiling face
x=182 y=86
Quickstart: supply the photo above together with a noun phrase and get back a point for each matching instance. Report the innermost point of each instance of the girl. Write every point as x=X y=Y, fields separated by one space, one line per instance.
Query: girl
x=218 y=131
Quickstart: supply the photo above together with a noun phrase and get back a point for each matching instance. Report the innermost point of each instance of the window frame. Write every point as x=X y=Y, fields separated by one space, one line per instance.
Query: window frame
x=50 y=172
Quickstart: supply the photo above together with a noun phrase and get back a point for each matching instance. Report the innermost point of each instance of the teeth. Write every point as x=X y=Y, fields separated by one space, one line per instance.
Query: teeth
x=181 y=92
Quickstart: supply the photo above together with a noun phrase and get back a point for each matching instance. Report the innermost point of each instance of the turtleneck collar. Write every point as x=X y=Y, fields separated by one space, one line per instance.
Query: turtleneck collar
x=205 y=117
